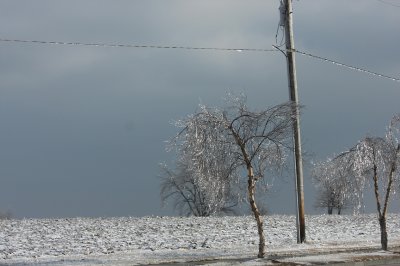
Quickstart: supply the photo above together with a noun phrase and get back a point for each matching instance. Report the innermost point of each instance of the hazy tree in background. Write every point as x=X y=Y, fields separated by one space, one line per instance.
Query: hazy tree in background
x=332 y=187
x=247 y=140
x=5 y=215
x=192 y=196
x=374 y=161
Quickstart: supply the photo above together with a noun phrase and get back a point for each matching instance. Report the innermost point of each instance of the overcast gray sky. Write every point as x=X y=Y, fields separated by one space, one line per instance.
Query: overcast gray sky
x=83 y=128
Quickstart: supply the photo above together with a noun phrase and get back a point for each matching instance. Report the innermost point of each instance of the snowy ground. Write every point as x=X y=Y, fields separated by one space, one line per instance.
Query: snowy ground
x=117 y=241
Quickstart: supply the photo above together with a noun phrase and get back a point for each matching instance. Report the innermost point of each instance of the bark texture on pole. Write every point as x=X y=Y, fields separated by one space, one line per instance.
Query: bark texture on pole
x=291 y=64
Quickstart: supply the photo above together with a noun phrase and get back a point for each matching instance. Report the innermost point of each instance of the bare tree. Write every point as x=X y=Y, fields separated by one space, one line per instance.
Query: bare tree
x=332 y=187
x=247 y=140
x=191 y=196
x=373 y=161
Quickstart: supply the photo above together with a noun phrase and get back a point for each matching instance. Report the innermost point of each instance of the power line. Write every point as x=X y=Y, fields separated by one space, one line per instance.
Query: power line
x=118 y=45
x=389 y=3
x=348 y=66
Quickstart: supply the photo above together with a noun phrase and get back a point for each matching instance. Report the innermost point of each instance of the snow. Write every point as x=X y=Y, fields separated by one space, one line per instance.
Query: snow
x=117 y=241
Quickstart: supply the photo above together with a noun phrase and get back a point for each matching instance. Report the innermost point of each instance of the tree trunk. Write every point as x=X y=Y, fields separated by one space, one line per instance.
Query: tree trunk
x=381 y=215
x=384 y=235
x=256 y=212
x=252 y=190
x=330 y=210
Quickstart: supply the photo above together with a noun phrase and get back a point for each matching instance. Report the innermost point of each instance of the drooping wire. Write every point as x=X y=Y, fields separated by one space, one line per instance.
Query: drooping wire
x=114 y=45
x=275 y=49
x=281 y=25
x=347 y=66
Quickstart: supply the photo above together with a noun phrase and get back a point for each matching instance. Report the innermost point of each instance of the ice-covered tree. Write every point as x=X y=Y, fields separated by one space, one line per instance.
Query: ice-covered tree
x=190 y=195
x=250 y=141
x=332 y=187
x=373 y=161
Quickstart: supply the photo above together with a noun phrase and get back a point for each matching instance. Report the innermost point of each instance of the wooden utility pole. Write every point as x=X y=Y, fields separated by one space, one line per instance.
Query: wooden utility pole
x=291 y=66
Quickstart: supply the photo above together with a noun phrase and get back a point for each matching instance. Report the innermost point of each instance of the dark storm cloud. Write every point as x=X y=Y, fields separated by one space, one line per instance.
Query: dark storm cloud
x=83 y=128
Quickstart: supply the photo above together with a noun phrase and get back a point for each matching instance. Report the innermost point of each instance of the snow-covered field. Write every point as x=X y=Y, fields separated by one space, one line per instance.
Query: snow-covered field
x=116 y=241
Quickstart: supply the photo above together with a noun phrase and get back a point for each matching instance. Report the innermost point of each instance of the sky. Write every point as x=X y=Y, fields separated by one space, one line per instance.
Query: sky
x=83 y=128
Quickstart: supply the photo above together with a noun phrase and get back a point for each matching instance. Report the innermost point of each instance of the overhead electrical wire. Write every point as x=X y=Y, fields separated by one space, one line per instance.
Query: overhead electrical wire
x=115 y=45
x=347 y=66
x=389 y=3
